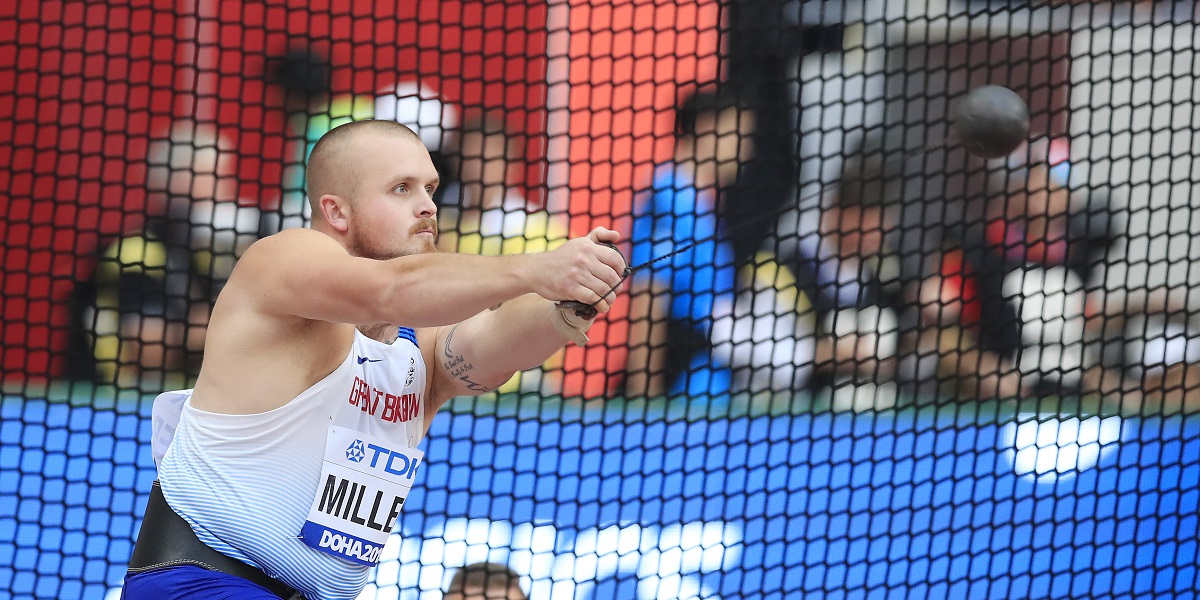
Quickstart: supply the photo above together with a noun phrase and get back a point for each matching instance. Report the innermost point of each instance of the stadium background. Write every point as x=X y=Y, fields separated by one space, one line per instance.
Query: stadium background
x=587 y=494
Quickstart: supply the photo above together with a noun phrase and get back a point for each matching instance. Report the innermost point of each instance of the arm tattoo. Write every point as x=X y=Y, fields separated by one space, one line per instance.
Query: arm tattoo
x=457 y=366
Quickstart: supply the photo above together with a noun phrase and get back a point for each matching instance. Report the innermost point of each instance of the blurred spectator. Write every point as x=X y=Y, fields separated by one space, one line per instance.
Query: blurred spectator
x=1078 y=337
x=912 y=324
x=138 y=332
x=693 y=330
x=1047 y=243
x=856 y=351
x=772 y=46
x=485 y=581
x=859 y=341
x=481 y=211
x=146 y=310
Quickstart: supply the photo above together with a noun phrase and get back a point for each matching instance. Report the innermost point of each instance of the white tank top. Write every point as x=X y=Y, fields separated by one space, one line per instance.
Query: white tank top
x=246 y=483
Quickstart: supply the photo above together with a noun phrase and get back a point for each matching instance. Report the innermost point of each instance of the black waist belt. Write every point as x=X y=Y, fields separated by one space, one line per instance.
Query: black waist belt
x=166 y=540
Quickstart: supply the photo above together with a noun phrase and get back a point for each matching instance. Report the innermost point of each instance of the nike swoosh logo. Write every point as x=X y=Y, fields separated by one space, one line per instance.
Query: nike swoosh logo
x=363 y=359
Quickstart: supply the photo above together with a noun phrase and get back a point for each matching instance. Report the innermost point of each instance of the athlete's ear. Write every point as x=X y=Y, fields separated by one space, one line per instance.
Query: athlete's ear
x=336 y=211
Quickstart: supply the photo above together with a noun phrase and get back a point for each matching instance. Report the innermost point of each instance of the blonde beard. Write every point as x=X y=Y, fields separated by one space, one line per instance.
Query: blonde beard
x=358 y=247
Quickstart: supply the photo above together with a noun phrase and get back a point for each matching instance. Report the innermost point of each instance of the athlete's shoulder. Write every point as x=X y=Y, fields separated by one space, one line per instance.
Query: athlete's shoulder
x=262 y=274
x=300 y=237
x=290 y=245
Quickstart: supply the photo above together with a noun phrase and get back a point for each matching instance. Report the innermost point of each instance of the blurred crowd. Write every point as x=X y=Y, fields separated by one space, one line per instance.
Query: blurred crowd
x=778 y=280
x=1001 y=305
x=999 y=301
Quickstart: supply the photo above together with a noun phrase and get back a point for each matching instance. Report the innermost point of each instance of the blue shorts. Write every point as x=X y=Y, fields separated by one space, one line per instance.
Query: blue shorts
x=187 y=582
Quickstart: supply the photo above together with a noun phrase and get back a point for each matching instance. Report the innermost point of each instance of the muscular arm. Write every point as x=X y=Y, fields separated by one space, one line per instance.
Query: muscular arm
x=306 y=274
x=481 y=353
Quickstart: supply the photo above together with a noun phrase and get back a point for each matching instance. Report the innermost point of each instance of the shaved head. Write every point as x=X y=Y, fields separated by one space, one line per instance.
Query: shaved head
x=333 y=165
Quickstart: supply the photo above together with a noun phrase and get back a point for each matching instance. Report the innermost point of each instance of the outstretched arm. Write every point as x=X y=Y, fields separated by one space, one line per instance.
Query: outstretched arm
x=306 y=274
x=481 y=353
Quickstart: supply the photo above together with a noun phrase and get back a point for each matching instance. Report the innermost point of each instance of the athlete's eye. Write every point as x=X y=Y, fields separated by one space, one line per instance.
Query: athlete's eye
x=401 y=189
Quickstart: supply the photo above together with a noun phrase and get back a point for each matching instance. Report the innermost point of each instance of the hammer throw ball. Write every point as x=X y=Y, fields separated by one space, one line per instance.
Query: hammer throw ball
x=991 y=121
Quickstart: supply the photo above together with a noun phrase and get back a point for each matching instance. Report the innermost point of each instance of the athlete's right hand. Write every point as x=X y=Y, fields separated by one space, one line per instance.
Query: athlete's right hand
x=581 y=270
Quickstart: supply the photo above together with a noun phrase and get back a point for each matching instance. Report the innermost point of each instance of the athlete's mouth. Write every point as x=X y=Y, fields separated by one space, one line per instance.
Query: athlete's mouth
x=426 y=226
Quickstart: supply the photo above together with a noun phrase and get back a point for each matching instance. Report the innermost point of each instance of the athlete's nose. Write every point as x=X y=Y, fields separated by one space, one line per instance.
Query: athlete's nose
x=426 y=208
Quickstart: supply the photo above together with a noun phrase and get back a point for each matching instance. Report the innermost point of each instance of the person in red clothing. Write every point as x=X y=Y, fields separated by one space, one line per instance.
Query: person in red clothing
x=1040 y=245
x=941 y=344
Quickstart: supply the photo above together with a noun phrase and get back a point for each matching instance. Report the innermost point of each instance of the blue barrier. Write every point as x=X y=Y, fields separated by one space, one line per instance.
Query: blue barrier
x=872 y=505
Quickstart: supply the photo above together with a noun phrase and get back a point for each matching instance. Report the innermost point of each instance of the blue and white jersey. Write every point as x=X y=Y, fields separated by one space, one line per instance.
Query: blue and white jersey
x=249 y=484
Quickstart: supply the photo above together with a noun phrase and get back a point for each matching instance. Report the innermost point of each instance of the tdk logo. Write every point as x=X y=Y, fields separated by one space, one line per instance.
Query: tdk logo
x=355 y=451
x=389 y=461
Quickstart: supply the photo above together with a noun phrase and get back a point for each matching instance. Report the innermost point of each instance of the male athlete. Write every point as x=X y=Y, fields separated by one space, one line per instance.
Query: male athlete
x=329 y=352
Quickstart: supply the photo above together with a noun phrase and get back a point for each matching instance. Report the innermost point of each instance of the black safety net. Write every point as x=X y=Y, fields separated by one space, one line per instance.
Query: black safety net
x=855 y=358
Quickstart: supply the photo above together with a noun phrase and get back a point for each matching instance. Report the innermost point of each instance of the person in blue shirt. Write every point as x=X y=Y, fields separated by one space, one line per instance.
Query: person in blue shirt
x=673 y=301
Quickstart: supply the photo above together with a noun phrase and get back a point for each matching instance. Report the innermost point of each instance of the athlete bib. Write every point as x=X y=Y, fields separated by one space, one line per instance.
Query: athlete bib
x=363 y=484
